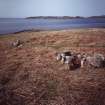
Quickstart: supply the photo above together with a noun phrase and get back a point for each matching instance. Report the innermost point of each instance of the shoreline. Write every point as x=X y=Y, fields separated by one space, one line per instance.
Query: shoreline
x=42 y=30
x=64 y=17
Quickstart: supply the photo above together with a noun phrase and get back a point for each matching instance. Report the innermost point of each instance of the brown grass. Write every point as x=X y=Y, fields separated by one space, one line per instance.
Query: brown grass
x=30 y=75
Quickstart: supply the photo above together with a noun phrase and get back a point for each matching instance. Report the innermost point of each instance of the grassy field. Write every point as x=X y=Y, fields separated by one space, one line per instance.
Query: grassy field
x=30 y=74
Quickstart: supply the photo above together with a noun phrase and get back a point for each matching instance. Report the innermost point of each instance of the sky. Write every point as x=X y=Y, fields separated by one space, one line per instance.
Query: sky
x=27 y=8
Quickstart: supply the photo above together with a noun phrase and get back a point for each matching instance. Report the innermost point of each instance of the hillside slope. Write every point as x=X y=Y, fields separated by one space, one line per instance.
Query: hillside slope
x=30 y=74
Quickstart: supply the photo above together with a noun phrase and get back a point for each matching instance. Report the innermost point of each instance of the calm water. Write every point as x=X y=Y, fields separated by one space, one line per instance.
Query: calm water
x=15 y=25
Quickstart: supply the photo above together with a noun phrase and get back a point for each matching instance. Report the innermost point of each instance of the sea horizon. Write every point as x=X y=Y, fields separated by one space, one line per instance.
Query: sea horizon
x=14 y=25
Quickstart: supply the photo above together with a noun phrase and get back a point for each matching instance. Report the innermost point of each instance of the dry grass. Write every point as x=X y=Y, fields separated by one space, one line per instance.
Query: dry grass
x=30 y=75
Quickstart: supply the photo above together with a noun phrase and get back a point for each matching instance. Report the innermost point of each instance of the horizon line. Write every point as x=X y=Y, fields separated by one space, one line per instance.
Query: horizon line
x=58 y=16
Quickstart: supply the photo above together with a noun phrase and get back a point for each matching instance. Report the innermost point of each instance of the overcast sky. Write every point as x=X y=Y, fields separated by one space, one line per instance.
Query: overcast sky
x=25 y=8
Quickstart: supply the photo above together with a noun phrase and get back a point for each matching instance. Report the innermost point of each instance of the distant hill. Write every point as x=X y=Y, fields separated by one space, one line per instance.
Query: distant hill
x=102 y=16
x=63 y=17
x=54 y=17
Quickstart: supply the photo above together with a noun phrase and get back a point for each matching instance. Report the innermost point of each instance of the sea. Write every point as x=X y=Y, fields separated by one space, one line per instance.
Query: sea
x=13 y=25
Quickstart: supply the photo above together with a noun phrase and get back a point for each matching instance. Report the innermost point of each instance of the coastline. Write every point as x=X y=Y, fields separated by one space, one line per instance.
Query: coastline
x=64 y=17
x=48 y=25
x=41 y=30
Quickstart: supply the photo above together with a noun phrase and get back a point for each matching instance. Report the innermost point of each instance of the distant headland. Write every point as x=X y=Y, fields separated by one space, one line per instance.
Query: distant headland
x=54 y=17
x=63 y=17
